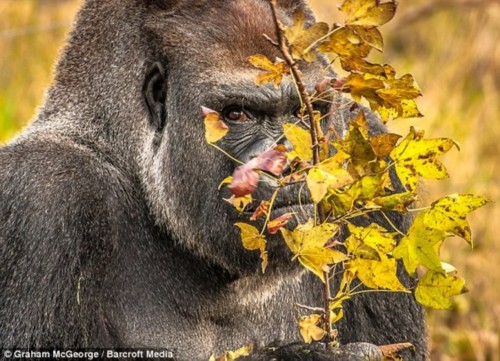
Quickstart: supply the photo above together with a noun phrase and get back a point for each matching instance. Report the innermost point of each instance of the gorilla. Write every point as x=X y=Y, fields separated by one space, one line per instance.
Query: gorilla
x=112 y=231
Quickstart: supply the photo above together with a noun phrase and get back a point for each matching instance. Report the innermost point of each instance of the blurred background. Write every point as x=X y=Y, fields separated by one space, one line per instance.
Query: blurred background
x=452 y=47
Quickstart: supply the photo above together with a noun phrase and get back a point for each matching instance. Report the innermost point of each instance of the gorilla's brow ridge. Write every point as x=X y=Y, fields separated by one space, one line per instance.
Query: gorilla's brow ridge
x=264 y=97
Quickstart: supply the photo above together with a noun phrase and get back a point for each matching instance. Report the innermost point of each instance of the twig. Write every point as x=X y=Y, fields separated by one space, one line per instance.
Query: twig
x=314 y=131
x=309 y=308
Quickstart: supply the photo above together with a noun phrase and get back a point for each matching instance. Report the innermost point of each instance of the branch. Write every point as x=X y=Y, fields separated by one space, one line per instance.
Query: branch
x=314 y=131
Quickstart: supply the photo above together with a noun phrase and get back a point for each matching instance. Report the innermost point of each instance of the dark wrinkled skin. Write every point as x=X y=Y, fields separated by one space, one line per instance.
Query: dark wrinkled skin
x=112 y=233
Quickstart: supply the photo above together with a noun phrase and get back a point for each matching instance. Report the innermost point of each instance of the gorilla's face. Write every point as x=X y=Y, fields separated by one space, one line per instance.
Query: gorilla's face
x=183 y=172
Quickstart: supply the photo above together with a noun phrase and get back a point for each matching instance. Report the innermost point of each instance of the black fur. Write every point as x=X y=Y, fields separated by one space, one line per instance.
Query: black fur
x=112 y=233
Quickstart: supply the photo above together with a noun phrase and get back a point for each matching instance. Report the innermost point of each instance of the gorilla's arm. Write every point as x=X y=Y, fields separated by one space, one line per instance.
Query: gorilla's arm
x=56 y=238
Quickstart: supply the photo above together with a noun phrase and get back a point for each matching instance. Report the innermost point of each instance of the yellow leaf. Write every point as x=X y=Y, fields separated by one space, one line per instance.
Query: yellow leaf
x=242 y=351
x=358 y=148
x=363 y=86
x=345 y=42
x=226 y=180
x=361 y=124
x=416 y=156
x=375 y=237
x=435 y=289
x=307 y=244
x=420 y=246
x=317 y=259
x=300 y=38
x=370 y=35
x=350 y=64
x=336 y=316
x=274 y=71
x=378 y=273
x=252 y=240
x=326 y=175
x=394 y=202
x=309 y=328
x=357 y=249
x=300 y=140
x=336 y=305
x=233 y=355
x=449 y=214
x=360 y=191
x=215 y=129
x=239 y=203
x=368 y=12
x=316 y=182
x=398 y=89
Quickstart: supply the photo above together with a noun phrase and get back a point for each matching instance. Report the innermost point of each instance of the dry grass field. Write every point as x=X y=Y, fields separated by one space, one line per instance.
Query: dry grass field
x=451 y=47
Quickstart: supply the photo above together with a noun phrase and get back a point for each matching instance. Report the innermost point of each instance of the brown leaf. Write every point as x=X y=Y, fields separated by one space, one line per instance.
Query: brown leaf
x=272 y=160
x=383 y=144
x=246 y=177
x=261 y=210
x=245 y=180
x=391 y=351
x=274 y=226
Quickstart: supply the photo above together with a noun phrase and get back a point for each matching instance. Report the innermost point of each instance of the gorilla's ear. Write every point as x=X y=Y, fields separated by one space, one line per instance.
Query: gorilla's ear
x=154 y=93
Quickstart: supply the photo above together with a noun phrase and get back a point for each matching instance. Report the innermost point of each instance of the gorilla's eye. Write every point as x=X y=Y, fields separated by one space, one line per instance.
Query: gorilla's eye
x=234 y=113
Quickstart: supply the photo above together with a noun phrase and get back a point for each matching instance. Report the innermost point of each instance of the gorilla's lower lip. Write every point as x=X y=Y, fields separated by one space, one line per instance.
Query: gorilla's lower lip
x=291 y=198
x=302 y=208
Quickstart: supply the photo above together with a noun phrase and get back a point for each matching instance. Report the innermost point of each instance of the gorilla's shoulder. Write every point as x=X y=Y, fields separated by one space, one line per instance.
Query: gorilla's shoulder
x=51 y=186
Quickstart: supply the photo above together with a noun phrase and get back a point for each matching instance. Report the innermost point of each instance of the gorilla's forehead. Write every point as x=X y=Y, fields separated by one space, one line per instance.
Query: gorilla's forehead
x=229 y=31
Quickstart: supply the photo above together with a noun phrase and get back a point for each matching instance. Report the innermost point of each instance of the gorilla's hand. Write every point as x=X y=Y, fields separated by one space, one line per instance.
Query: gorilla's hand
x=298 y=351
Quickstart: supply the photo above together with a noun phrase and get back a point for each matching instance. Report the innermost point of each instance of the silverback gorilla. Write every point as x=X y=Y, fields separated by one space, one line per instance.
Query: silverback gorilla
x=112 y=233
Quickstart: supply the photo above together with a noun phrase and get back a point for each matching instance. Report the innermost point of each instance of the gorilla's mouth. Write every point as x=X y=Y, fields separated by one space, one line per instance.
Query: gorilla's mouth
x=293 y=198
